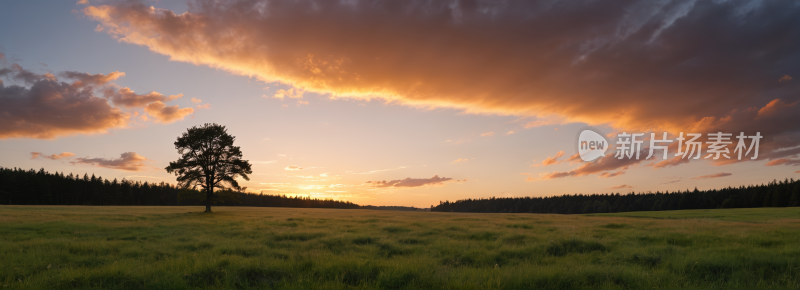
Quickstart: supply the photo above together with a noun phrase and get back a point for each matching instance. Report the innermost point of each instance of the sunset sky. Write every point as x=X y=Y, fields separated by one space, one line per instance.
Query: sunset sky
x=402 y=102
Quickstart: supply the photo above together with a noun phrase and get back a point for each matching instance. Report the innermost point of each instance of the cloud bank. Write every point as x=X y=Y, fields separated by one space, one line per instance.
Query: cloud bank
x=128 y=161
x=675 y=65
x=411 y=182
x=640 y=65
x=40 y=105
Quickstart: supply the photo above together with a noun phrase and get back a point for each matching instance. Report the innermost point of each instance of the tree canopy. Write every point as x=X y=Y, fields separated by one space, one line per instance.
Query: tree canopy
x=209 y=160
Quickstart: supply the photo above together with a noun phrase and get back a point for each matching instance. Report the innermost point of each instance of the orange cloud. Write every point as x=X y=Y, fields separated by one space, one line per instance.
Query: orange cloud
x=553 y=160
x=785 y=78
x=411 y=182
x=611 y=174
x=487 y=134
x=35 y=155
x=575 y=158
x=783 y=161
x=576 y=72
x=205 y=107
x=717 y=175
x=290 y=93
x=607 y=163
x=293 y=168
x=125 y=97
x=128 y=161
x=361 y=50
x=166 y=114
x=196 y=100
x=86 y=79
x=774 y=106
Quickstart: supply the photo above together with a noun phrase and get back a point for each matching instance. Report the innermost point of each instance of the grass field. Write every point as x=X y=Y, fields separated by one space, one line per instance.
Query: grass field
x=278 y=248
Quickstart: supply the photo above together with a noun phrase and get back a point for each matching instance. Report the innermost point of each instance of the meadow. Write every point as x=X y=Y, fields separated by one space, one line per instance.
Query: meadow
x=81 y=247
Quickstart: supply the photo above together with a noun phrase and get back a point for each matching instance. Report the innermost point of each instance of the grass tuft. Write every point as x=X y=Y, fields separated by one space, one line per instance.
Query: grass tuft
x=396 y=229
x=616 y=226
x=365 y=240
x=567 y=246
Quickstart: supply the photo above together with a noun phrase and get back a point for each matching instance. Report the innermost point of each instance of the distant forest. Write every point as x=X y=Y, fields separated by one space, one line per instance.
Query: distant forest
x=31 y=187
x=775 y=194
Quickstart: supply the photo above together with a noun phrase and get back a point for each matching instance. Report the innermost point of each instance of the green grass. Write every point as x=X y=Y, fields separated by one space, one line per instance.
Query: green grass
x=736 y=214
x=75 y=247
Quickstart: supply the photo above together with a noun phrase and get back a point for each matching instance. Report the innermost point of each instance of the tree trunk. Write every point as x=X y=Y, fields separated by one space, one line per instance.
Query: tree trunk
x=209 y=192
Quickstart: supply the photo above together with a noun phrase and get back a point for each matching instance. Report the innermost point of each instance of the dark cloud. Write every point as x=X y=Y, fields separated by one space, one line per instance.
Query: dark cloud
x=17 y=72
x=49 y=108
x=411 y=182
x=606 y=163
x=45 y=107
x=129 y=161
x=624 y=186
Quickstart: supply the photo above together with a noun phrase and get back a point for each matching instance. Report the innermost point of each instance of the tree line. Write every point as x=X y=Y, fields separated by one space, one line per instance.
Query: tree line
x=774 y=194
x=32 y=187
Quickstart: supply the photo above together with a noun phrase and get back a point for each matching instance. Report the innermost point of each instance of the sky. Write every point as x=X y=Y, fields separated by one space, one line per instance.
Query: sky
x=404 y=103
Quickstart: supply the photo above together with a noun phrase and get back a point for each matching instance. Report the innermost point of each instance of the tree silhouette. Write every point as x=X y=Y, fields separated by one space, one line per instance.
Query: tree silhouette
x=209 y=160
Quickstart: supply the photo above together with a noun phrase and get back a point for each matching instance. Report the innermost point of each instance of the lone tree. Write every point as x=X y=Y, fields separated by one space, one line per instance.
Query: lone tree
x=209 y=159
